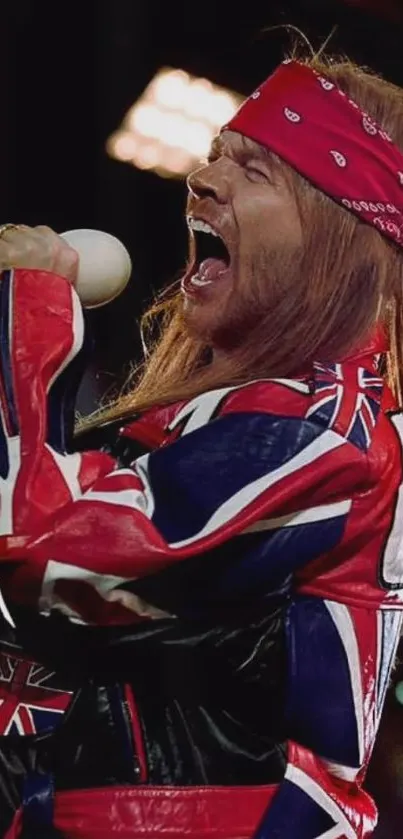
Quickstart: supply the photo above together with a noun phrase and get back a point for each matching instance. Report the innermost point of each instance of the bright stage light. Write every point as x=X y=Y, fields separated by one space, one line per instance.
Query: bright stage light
x=122 y=145
x=172 y=125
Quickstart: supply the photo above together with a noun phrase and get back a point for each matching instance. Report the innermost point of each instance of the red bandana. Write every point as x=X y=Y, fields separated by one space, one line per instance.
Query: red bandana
x=312 y=125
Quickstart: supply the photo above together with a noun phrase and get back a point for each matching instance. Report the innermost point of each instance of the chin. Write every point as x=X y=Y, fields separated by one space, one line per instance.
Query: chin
x=219 y=320
x=197 y=322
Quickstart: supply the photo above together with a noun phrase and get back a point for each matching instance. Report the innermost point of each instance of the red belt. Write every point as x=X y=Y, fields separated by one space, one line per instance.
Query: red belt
x=159 y=812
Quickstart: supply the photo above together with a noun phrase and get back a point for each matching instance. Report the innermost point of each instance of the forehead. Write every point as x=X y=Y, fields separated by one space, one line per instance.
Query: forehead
x=232 y=143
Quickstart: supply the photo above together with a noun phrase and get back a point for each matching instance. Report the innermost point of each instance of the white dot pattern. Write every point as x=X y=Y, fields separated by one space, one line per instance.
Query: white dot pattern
x=320 y=131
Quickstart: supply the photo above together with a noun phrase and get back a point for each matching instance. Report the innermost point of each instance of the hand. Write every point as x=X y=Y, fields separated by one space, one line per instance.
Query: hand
x=40 y=248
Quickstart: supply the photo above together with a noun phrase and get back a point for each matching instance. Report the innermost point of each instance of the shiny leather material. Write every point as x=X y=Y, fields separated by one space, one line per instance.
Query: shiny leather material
x=193 y=687
x=156 y=813
x=229 y=582
x=162 y=813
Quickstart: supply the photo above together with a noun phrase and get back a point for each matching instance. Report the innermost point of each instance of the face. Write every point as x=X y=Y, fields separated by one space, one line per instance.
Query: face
x=244 y=228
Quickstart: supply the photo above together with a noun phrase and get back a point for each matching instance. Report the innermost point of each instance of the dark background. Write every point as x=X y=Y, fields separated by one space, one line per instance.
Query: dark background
x=69 y=72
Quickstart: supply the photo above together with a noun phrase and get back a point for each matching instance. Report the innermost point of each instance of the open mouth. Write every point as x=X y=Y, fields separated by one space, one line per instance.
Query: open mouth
x=212 y=258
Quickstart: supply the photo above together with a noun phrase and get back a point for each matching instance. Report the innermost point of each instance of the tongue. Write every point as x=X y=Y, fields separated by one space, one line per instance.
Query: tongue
x=211 y=268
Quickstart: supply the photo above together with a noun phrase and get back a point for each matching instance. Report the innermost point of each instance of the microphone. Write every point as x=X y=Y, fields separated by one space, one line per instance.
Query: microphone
x=104 y=266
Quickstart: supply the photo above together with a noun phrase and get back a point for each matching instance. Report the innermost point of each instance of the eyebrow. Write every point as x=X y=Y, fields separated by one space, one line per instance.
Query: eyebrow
x=216 y=147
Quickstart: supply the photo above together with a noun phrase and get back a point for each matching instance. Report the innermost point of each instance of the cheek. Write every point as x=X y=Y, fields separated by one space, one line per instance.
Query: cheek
x=268 y=224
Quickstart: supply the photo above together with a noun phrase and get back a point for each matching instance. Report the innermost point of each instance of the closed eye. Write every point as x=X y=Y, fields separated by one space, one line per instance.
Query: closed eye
x=255 y=173
x=212 y=157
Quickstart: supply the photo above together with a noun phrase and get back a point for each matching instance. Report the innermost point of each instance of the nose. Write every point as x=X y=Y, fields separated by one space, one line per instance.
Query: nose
x=210 y=181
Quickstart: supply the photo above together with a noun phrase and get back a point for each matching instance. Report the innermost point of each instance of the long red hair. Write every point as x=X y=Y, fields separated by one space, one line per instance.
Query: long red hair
x=348 y=278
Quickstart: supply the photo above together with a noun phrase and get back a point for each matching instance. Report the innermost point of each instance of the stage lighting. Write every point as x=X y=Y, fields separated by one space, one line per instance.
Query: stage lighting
x=170 y=128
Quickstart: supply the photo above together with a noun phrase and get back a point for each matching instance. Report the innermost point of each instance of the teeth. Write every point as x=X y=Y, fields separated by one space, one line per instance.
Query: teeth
x=202 y=226
x=197 y=280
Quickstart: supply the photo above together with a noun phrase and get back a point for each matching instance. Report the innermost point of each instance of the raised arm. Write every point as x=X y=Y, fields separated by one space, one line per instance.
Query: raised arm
x=77 y=527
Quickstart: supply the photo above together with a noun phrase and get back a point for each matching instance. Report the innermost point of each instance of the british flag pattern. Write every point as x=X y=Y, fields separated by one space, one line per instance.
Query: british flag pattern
x=31 y=699
x=301 y=477
x=347 y=399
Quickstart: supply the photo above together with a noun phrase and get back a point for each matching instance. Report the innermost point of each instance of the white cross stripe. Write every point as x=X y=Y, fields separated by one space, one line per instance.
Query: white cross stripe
x=318 y=794
x=200 y=409
x=358 y=413
x=364 y=411
x=389 y=625
x=323 y=444
x=380 y=656
x=69 y=467
x=143 y=500
x=392 y=560
x=365 y=380
x=142 y=471
x=314 y=514
x=77 y=336
x=7 y=485
x=293 y=384
x=131 y=498
x=337 y=390
x=339 y=397
x=335 y=832
x=344 y=625
x=4 y=611
x=136 y=499
x=107 y=586
x=339 y=770
x=16 y=719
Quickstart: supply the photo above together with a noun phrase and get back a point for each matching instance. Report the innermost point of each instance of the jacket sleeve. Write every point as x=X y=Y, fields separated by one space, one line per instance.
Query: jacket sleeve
x=314 y=803
x=74 y=528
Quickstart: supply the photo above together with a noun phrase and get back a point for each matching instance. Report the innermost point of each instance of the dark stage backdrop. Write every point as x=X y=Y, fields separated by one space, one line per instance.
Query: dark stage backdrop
x=69 y=72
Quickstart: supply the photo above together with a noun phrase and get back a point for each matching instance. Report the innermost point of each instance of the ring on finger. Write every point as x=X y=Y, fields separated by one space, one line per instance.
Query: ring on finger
x=5 y=227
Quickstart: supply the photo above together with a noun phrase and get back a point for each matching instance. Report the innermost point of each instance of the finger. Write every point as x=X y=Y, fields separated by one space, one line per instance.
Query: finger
x=21 y=247
x=68 y=264
x=44 y=230
x=38 y=248
x=36 y=243
x=66 y=258
x=8 y=231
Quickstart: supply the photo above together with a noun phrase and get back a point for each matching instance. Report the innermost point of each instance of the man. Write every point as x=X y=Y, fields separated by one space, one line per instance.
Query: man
x=228 y=602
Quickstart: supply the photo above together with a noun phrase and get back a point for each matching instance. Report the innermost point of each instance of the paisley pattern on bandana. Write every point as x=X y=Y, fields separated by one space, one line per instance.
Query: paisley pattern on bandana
x=323 y=134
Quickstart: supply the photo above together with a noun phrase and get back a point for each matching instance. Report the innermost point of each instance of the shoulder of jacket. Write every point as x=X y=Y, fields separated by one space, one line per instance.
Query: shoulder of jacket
x=347 y=398
x=282 y=397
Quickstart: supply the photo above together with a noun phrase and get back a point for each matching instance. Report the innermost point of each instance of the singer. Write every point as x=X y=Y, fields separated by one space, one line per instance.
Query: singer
x=207 y=584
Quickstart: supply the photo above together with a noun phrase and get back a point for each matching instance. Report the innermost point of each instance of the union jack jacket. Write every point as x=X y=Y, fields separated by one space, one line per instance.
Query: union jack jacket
x=207 y=599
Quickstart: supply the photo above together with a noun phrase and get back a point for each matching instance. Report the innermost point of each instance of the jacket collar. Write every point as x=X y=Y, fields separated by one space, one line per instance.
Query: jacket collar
x=376 y=343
